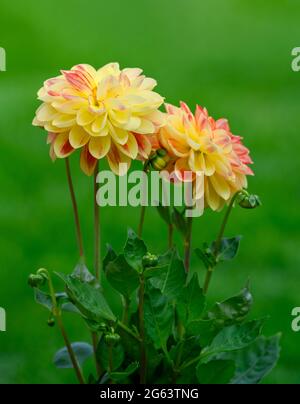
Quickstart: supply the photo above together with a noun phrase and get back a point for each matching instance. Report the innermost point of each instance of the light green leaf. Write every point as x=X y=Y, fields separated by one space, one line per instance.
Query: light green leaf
x=82 y=352
x=256 y=361
x=89 y=300
x=231 y=339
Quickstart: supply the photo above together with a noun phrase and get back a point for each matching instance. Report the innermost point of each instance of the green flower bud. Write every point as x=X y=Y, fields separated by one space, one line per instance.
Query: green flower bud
x=51 y=322
x=112 y=338
x=149 y=260
x=247 y=201
x=35 y=281
x=160 y=160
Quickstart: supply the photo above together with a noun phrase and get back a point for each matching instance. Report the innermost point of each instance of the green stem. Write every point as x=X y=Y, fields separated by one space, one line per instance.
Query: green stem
x=188 y=244
x=57 y=314
x=97 y=234
x=128 y=331
x=142 y=221
x=95 y=344
x=143 y=358
x=219 y=242
x=75 y=209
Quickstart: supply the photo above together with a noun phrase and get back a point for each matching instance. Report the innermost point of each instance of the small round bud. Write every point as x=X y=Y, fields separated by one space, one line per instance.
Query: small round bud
x=112 y=338
x=160 y=160
x=247 y=201
x=149 y=260
x=36 y=280
x=51 y=322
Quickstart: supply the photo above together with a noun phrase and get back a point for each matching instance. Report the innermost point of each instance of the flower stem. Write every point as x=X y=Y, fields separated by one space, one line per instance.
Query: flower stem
x=188 y=244
x=97 y=234
x=143 y=359
x=75 y=209
x=219 y=242
x=142 y=220
x=58 y=316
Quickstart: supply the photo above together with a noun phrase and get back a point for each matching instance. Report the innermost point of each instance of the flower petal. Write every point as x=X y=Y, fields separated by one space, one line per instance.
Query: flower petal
x=87 y=161
x=78 y=137
x=62 y=146
x=118 y=162
x=99 y=146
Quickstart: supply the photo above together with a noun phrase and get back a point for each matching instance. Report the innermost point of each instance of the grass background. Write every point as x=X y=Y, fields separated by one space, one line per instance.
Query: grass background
x=232 y=57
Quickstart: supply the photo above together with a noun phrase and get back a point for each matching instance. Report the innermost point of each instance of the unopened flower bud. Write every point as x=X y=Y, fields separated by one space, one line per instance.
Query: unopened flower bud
x=36 y=280
x=149 y=260
x=51 y=322
x=247 y=201
x=112 y=338
x=160 y=160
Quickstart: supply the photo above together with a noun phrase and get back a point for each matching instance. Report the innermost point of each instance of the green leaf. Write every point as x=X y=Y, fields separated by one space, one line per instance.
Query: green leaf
x=110 y=256
x=191 y=304
x=216 y=372
x=159 y=316
x=231 y=339
x=134 y=251
x=165 y=214
x=256 y=361
x=110 y=356
x=63 y=301
x=179 y=221
x=205 y=329
x=171 y=278
x=232 y=310
x=82 y=352
x=89 y=300
x=228 y=249
x=122 y=276
x=206 y=257
x=123 y=375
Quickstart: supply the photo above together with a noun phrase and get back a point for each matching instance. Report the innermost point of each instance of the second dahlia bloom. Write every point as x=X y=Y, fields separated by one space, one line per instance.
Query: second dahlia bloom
x=106 y=113
x=198 y=143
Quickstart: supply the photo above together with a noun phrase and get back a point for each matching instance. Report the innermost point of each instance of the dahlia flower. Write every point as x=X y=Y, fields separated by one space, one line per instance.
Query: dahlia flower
x=105 y=113
x=198 y=143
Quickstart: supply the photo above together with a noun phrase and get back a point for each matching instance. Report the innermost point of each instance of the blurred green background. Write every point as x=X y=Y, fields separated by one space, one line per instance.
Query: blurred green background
x=232 y=56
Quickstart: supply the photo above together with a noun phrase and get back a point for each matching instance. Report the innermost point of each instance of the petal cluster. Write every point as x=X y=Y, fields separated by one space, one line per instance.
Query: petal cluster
x=106 y=113
x=198 y=143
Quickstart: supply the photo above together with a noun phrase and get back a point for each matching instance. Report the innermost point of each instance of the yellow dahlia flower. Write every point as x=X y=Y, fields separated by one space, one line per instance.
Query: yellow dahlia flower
x=106 y=112
x=198 y=143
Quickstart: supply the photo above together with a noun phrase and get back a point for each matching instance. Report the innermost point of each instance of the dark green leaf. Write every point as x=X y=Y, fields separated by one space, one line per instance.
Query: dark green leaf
x=110 y=358
x=231 y=339
x=171 y=278
x=62 y=299
x=179 y=221
x=216 y=372
x=82 y=351
x=89 y=300
x=134 y=251
x=110 y=256
x=232 y=310
x=159 y=316
x=206 y=257
x=256 y=361
x=228 y=248
x=123 y=375
x=191 y=304
x=205 y=329
x=122 y=276
x=165 y=214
